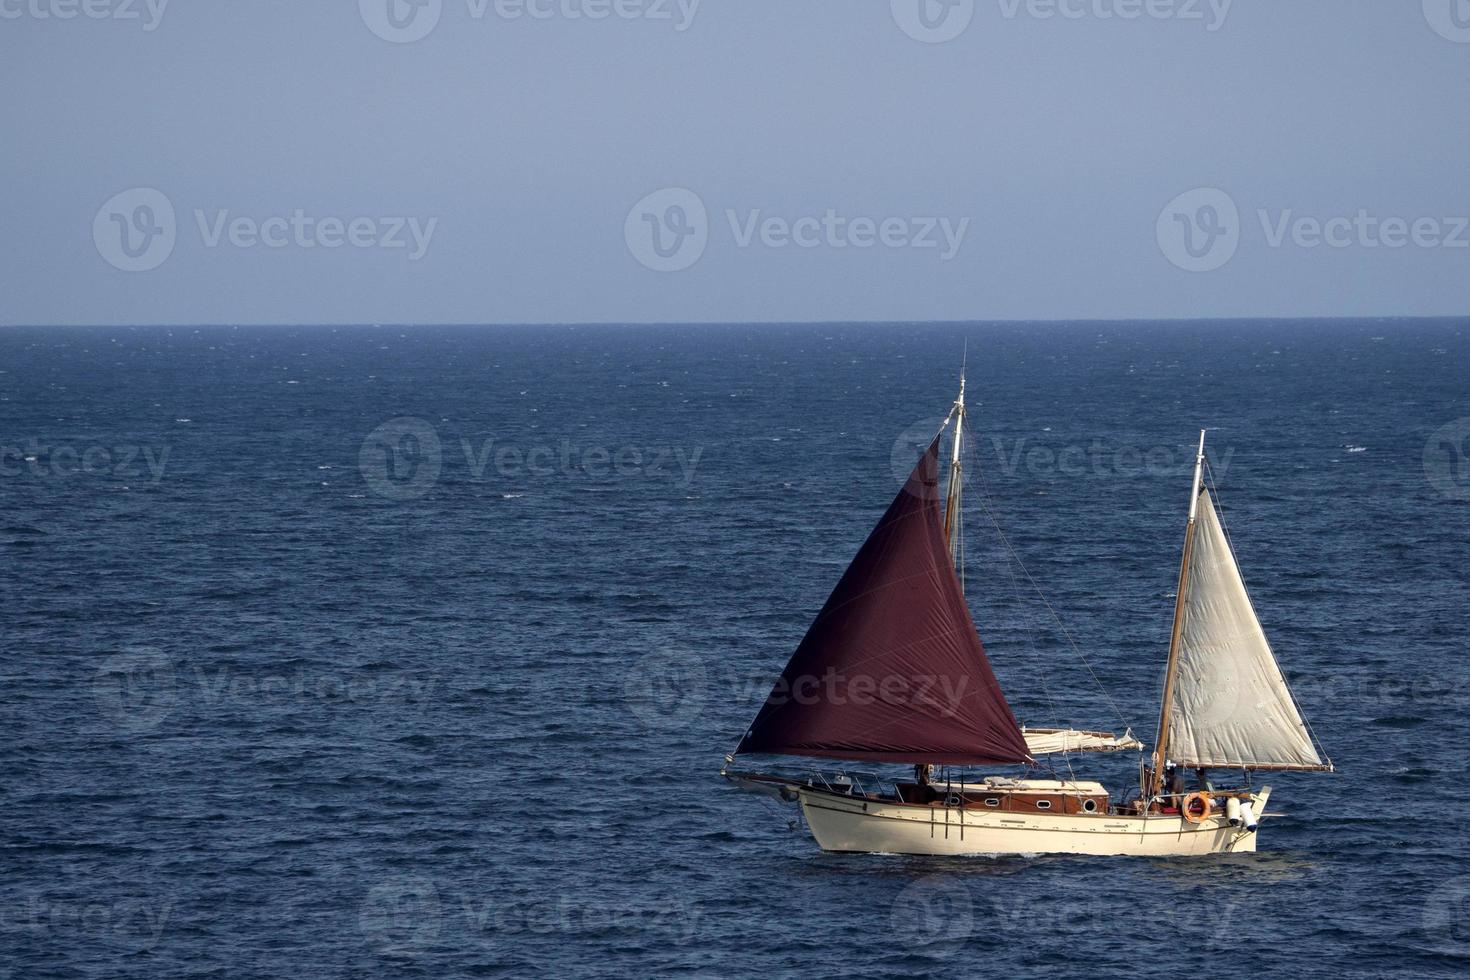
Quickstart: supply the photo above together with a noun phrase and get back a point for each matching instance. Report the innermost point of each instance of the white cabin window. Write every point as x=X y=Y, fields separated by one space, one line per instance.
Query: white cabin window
x=1043 y=804
x=1089 y=805
x=992 y=801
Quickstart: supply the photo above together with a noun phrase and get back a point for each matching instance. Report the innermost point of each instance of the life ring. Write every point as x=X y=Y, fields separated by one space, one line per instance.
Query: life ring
x=1197 y=807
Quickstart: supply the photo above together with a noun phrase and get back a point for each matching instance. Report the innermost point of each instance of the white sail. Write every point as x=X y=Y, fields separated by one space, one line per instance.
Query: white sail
x=1231 y=706
x=1054 y=741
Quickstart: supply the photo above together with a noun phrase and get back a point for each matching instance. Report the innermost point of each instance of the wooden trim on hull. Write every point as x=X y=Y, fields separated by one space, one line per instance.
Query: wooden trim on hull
x=1003 y=799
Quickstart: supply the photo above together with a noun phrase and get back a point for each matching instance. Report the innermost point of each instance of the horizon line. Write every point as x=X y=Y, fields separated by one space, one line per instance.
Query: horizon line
x=747 y=323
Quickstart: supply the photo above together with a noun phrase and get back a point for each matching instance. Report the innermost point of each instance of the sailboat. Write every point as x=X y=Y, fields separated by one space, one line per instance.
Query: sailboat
x=892 y=670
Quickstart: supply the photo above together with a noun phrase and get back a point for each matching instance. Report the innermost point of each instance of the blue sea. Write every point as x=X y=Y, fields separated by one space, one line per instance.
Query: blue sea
x=415 y=651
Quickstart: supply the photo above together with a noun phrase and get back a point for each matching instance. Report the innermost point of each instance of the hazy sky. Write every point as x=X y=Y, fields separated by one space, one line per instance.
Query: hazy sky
x=659 y=160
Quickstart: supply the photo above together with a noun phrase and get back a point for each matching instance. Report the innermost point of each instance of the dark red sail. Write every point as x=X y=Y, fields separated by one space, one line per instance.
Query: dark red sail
x=892 y=669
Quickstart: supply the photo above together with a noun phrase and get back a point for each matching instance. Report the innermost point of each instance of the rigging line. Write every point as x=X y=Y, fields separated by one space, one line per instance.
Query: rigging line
x=1028 y=634
x=1037 y=588
x=1016 y=591
x=1029 y=638
x=1163 y=674
x=1220 y=513
x=959 y=516
x=960 y=547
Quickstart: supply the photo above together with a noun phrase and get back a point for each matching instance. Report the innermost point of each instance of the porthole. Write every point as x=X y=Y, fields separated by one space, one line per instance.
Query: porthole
x=992 y=801
x=1089 y=806
x=1043 y=804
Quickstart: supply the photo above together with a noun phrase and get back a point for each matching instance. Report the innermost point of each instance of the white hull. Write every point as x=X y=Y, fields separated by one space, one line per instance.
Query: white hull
x=851 y=823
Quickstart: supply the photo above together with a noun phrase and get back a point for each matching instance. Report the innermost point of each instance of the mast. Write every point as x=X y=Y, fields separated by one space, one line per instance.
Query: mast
x=952 y=500
x=1156 y=783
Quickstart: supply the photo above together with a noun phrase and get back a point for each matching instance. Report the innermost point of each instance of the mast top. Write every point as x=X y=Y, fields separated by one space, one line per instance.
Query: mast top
x=960 y=401
x=1199 y=463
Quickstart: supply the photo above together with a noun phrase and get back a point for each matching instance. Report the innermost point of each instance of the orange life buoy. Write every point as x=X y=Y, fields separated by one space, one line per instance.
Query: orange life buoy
x=1197 y=807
